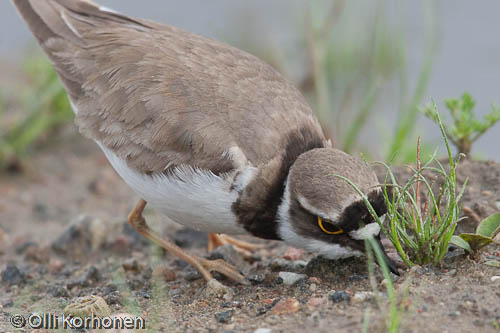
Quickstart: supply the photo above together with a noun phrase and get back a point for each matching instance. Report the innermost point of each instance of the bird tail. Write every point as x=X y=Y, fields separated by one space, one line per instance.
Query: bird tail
x=61 y=28
x=46 y=18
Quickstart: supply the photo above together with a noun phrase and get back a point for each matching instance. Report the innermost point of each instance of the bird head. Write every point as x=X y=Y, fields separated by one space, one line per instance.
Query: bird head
x=323 y=213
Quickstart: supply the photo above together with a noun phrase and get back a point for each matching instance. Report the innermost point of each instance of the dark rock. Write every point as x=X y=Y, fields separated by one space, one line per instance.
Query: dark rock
x=189 y=238
x=280 y=264
x=224 y=317
x=132 y=265
x=257 y=279
x=138 y=284
x=11 y=275
x=339 y=296
x=147 y=273
x=180 y=263
x=261 y=311
x=144 y=294
x=58 y=291
x=8 y=304
x=85 y=235
x=40 y=211
x=339 y=269
x=90 y=277
x=113 y=297
x=192 y=275
x=227 y=304
x=357 y=277
x=110 y=288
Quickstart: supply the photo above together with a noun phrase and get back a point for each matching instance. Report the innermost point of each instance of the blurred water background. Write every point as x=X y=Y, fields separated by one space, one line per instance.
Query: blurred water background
x=378 y=54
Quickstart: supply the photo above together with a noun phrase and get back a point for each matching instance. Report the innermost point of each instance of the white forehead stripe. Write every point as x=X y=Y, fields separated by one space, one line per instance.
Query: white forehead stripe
x=369 y=230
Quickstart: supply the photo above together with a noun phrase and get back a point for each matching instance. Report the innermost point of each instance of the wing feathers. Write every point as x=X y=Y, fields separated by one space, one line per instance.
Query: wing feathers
x=158 y=96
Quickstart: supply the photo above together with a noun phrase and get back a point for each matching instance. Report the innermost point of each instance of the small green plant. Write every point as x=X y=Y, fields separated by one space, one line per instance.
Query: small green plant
x=421 y=226
x=466 y=128
x=46 y=108
x=484 y=235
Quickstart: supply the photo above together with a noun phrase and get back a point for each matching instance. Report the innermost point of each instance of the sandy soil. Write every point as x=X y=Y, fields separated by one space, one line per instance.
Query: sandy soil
x=63 y=234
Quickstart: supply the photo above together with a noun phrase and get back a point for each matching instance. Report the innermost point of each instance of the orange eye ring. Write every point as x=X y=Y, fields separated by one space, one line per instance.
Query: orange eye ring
x=320 y=223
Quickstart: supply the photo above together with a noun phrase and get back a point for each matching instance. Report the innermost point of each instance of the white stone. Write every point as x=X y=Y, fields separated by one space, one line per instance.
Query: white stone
x=263 y=330
x=290 y=278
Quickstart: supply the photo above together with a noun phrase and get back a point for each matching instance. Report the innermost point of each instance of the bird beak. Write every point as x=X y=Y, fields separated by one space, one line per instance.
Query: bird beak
x=390 y=263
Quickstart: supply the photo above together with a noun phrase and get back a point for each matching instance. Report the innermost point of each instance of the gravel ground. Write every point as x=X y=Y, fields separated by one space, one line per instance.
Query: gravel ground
x=64 y=235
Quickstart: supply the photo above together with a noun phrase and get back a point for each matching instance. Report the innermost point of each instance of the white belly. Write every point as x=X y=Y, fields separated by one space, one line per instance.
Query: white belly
x=195 y=198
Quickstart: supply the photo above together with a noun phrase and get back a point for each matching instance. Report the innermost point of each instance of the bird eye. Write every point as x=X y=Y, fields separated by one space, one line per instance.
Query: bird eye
x=332 y=230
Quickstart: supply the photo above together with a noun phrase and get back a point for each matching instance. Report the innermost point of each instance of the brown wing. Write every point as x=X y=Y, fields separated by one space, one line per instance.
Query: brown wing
x=158 y=96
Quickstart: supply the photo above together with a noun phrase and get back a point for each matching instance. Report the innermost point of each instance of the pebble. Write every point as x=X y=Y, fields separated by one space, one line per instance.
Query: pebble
x=362 y=296
x=57 y=290
x=192 y=275
x=280 y=264
x=257 y=279
x=263 y=330
x=287 y=305
x=339 y=296
x=90 y=277
x=293 y=253
x=85 y=235
x=7 y=304
x=224 y=317
x=85 y=306
x=12 y=275
x=113 y=297
x=357 y=277
x=313 y=287
x=132 y=265
x=290 y=278
x=495 y=278
x=40 y=211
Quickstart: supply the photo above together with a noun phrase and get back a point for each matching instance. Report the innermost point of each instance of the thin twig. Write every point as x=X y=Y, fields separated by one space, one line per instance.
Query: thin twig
x=419 y=166
x=332 y=19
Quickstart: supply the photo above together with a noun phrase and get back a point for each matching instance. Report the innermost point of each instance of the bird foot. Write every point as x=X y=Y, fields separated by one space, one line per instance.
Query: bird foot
x=228 y=270
x=244 y=248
